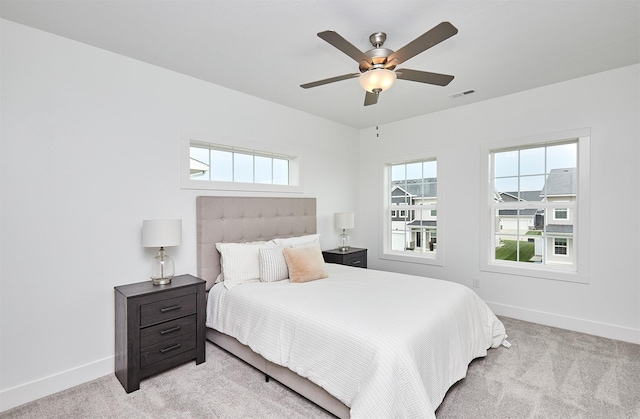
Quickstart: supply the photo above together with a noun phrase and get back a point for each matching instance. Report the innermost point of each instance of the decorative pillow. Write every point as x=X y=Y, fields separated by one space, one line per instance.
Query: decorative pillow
x=240 y=262
x=309 y=238
x=305 y=263
x=273 y=266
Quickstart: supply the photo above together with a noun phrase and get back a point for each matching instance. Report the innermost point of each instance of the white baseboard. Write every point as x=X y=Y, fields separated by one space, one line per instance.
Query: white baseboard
x=590 y=327
x=45 y=386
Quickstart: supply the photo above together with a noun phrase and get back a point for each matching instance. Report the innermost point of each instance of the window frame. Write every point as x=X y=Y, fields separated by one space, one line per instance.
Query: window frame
x=579 y=209
x=188 y=137
x=384 y=249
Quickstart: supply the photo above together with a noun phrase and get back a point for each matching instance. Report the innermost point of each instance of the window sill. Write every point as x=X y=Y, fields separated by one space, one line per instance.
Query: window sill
x=555 y=274
x=237 y=186
x=420 y=258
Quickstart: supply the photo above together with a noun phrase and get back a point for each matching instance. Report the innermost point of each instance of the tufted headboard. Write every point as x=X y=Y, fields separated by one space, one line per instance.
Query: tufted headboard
x=245 y=219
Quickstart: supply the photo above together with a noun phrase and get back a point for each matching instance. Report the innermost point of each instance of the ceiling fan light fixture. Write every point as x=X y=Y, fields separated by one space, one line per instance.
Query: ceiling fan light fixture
x=379 y=79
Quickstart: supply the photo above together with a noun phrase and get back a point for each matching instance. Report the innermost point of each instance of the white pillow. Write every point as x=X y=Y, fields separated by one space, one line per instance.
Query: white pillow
x=309 y=239
x=240 y=262
x=273 y=266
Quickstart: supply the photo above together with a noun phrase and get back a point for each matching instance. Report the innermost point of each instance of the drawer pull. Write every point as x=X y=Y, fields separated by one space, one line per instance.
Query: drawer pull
x=170 y=308
x=170 y=348
x=170 y=330
x=356 y=262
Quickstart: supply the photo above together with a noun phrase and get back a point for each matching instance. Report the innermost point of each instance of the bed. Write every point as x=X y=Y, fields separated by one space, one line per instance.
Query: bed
x=358 y=342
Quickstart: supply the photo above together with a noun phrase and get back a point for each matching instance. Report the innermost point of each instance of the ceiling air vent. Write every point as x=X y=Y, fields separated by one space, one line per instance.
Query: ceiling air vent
x=460 y=94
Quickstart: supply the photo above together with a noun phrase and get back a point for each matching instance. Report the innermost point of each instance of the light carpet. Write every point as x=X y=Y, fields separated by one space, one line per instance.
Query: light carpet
x=547 y=373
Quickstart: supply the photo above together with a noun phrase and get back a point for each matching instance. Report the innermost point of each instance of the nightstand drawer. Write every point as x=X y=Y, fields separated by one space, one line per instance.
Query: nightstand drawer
x=168 y=330
x=354 y=260
x=354 y=256
x=167 y=349
x=170 y=309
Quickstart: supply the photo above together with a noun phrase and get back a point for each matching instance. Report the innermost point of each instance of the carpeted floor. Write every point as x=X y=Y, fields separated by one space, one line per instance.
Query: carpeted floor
x=547 y=373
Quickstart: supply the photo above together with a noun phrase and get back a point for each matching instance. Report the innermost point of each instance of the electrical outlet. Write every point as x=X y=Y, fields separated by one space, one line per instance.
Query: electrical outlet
x=476 y=282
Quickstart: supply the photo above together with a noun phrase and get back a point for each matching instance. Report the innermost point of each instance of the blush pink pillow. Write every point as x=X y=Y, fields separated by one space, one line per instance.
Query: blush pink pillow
x=305 y=264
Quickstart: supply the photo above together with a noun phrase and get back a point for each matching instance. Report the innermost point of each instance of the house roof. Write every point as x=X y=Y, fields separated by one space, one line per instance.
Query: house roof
x=423 y=223
x=561 y=182
x=559 y=228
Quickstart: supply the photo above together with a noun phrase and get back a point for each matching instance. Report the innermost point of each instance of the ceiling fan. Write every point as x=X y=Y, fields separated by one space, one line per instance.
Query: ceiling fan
x=378 y=65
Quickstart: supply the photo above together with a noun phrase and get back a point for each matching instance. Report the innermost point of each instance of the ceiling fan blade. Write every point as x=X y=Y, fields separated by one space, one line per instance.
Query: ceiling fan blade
x=422 y=43
x=424 y=76
x=329 y=80
x=370 y=98
x=345 y=46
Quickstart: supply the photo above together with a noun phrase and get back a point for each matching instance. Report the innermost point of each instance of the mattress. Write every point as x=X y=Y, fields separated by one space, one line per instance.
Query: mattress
x=385 y=344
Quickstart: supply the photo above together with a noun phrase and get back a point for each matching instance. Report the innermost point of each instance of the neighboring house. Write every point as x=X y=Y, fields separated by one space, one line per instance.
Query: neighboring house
x=552 y=235
x=414 y=229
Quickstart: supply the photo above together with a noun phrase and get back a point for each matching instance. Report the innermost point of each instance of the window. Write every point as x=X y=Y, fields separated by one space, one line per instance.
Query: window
x=560 y=214
x=228 y=164
x=534 y=197
x=560 y=246
x=411 y=217
x=207 y=165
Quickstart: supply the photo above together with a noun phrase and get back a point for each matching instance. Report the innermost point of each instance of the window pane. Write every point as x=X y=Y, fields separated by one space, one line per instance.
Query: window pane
x=263 y=169
x=414 y=171
x=508 y=185
x=532 y=161
x=430 y=169
x=221 y=166
x=562 y=156
x=506 y=163
x=398 y=172
x=242 y=168
x=280 y=172
x=199 y=163
x=532 y=183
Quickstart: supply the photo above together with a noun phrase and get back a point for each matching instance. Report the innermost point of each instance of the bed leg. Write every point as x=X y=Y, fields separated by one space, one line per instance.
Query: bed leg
x=266 y=378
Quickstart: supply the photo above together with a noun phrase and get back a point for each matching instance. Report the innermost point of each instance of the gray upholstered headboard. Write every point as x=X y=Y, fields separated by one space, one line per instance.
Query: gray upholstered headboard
x=244 y=219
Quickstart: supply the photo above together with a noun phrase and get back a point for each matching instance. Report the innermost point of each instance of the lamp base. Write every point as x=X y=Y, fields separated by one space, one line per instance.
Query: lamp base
x=344 y=241
x=162 y=269
x=161 y=281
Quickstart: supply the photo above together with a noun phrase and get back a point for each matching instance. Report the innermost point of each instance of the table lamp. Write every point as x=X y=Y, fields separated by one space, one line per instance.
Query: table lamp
x=343 y=221
x=161 y=233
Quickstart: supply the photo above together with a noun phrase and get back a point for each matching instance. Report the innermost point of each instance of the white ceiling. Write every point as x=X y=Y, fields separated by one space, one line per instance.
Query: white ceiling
x=268 y=48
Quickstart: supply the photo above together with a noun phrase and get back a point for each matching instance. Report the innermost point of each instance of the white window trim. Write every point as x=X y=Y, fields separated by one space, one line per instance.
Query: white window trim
x=295 y=173
x=566 y=211
x=581 y=212
x=384 y=251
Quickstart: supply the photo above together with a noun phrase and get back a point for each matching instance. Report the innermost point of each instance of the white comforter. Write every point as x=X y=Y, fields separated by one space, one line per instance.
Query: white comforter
x=385 y=344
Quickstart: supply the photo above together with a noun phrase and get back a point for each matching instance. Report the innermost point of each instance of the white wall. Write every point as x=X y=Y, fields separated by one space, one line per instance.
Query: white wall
x=609 y=104
x=90 y=148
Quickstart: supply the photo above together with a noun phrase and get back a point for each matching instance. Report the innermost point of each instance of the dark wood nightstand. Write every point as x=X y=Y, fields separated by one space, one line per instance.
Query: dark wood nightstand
x=355 y=256
x=158 y=327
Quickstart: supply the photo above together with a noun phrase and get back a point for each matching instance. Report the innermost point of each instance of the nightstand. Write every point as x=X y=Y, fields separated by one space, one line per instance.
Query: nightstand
x=158 y=327
x=355 y=256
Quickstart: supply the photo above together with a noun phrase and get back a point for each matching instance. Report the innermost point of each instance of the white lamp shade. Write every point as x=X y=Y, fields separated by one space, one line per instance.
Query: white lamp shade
x=378 y=78
x=343 y=220
x=161 y=233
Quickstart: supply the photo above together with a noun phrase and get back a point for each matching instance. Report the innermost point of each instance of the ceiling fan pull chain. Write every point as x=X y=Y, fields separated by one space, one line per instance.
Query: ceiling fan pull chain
x=377 y=123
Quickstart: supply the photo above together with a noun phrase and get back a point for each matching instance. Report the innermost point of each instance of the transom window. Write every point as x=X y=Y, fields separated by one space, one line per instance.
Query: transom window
x=220 y=163
x=237 y=165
